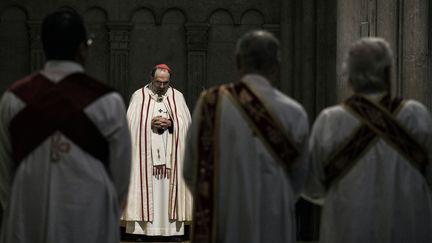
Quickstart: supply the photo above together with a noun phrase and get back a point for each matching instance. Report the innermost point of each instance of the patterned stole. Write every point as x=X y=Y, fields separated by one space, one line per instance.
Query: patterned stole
x=203 y=217
x=264 y=125
x=377 y=122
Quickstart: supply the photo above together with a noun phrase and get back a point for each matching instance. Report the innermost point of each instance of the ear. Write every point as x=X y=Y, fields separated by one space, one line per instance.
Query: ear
x=350 y=84
x=239 y=64
x=82 y=53
x=388 y=78
x=276 y=71
x=276 y=67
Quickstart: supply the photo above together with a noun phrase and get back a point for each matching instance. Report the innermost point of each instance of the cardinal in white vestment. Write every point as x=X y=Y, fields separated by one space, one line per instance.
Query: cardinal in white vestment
x=246 y=153
x=64 y=147
x=371 y=158
x=158 y=202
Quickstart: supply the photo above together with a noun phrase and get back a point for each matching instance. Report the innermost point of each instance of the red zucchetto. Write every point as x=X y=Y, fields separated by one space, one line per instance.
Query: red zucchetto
x=163 y=66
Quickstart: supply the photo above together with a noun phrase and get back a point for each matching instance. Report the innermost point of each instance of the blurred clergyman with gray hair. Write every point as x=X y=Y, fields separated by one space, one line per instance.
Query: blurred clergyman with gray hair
x=246 y=152
x=371 y=158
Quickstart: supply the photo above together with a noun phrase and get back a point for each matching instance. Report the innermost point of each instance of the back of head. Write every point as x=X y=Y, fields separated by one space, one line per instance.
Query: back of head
x=368 y=65
x=257 y=51
x=62 y=34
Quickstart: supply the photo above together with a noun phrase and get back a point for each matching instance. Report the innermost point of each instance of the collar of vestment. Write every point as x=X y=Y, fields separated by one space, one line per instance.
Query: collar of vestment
x=256 y=80
x=155 y=96
x=56 y=70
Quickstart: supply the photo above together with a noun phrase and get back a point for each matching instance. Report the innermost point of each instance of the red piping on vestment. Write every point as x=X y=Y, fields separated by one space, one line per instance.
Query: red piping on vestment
x=140 y=154
x=175 y=161
x=145 y=145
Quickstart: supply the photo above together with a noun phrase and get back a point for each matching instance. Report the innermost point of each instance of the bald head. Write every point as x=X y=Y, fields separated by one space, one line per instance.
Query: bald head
x=368 y=65
x=160 y=80
x=258 y=52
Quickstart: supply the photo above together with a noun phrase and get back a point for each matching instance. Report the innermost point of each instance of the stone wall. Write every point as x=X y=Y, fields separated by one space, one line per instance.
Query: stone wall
x=196 y=38
x=407 y=25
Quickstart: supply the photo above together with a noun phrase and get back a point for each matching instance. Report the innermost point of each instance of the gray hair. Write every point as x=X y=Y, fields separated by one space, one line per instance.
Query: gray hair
x=368 y=65
x=258 y=49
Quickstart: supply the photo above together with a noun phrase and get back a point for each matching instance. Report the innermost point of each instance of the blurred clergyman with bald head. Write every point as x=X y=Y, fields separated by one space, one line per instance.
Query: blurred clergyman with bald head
x=371 y=158
x=246 y=152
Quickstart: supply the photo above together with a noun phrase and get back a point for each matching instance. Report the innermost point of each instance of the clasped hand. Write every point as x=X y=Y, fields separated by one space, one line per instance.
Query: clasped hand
x=161 y=171
x=160 y=122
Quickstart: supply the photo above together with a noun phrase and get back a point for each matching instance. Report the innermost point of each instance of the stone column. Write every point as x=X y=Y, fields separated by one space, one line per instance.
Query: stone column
x=197 y=44
x=368 y=17
x=287 y=46
x=119 y=37
x=37 y=56
x=414 y=48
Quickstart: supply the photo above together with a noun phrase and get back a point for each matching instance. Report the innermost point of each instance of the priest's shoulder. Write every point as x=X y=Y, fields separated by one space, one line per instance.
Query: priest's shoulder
x=176 y=91
x=138 y=91
x=18 y=84
x=212 y=90
x=287 y=103
x=416 y=106
x=414 y=111
x=333 y=114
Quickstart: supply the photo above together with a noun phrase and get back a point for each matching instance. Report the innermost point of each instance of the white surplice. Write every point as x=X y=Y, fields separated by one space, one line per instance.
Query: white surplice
x=157 y=206
x=256 y=196
x=75 y=197
x=383 y=198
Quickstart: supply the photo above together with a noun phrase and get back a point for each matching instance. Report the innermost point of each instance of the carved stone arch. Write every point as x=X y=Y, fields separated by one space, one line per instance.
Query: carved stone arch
x=222 y=26
x=97 y=65
x=95 y=14
x=174 y=16
x=76 y=7
x=14 y=12
x=143 y=16
x=222 y=39
x=221 y=17
x=15 y=36
x=172 y=34
x=143 y=40
x=252 y=17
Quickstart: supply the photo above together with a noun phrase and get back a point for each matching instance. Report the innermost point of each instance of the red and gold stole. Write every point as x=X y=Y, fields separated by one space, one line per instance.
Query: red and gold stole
x=203 y=216
x=378 y=121
x=265 y=126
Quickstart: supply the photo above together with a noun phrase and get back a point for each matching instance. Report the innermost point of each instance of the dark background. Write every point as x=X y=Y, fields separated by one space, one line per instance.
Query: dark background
x=197 y=40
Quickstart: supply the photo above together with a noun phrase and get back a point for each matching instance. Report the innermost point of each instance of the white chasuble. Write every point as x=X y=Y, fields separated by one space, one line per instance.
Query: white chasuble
x=382 y=197
x=255 y=195
x=64 y=139
x=156 y=205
